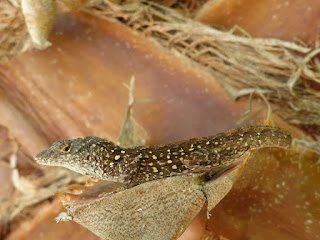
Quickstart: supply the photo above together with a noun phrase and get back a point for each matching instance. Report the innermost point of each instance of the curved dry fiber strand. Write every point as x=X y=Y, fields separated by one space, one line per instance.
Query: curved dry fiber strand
x=186 y=7
x=285 y=70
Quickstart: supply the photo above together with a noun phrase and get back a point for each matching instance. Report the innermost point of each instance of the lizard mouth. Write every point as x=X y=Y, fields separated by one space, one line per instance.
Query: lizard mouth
x=42 y=157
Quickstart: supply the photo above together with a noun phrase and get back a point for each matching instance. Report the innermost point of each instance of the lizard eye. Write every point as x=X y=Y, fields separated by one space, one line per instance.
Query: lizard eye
x=66 y=148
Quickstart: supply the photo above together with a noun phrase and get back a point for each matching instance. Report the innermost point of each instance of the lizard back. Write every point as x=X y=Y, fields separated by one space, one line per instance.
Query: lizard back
x=203 y=155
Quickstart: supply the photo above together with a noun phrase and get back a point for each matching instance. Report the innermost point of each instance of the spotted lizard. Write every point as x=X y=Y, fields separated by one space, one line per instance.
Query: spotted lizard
x=105 y=160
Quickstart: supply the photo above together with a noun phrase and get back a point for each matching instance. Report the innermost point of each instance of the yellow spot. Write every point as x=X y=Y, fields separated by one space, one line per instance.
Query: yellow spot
x=175 y=153
x=181 y=158
x=161 y=173
x=168 y=150
x=169 y=161
x=199 y=146
x=117 y=157
x=93 y=145
x=216 y=143
x=154 y=156
x=246 y=144
x=101 y=148
x=111 y=164
x=143 y=164
x=155 y=169
x=174 y=167
x=181 y=150
x=191 y=149
x=150 y=164
x=208 y=143
x=259 y=141
x=168 y=156
x=123 y=151
x=141 y=168
x=228 y=148
x=182 y=153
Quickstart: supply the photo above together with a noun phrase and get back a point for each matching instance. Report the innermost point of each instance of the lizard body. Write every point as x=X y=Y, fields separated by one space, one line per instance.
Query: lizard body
x=105 y=160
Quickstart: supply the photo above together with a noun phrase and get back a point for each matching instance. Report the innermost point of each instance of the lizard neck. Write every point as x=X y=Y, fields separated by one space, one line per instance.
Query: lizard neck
x=113 y=163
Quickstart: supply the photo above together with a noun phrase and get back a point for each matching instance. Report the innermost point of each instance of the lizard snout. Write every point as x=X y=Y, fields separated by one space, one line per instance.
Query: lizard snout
x=43 y=157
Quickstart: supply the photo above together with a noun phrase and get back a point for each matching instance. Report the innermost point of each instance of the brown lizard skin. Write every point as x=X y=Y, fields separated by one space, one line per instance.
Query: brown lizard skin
x=105 y=160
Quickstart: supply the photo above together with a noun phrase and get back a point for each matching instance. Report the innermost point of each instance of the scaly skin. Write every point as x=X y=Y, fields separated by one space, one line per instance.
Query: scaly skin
x=105 y=160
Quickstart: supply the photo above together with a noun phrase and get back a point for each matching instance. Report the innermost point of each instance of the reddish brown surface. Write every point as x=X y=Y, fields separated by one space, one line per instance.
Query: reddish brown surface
x=284 y=19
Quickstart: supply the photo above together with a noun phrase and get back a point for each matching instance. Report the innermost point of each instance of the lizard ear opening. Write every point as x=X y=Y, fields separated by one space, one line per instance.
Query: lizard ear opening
x=66 y=147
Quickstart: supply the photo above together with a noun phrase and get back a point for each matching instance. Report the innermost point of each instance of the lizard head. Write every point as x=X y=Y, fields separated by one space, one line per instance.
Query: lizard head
x=75 y=154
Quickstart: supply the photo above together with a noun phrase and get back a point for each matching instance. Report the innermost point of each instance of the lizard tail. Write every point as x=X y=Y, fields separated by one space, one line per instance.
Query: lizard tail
x=263 y=136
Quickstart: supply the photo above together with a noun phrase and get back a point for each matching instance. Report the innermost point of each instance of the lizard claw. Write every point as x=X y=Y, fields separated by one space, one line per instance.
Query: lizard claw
x=66 y=196
x=78 y=188
x=94 y=179
x=89 y=183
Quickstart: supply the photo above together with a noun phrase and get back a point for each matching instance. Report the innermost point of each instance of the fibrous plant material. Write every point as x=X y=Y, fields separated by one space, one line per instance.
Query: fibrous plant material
x=285 y=72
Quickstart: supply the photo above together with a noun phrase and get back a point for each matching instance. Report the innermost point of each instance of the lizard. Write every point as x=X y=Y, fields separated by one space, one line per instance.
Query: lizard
x=105 y=160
